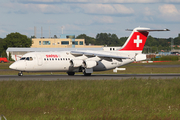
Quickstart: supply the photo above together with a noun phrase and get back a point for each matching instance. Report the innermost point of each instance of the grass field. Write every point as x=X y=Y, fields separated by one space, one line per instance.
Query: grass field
x=131 y=99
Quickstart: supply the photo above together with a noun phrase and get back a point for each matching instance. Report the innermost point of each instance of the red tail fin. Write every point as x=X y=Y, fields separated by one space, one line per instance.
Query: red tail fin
x=137 y=39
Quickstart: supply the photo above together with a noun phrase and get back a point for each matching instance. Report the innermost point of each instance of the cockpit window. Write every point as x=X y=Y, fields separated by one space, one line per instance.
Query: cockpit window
x=23 y=58
x=27 y=58
x=30 y=58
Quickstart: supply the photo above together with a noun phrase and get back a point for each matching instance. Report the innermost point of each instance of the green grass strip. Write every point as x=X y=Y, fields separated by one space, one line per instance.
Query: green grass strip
x=130 y=99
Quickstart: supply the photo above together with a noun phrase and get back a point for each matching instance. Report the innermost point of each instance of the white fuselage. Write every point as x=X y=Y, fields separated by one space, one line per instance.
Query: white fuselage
x=60 y=61
x=86 y=61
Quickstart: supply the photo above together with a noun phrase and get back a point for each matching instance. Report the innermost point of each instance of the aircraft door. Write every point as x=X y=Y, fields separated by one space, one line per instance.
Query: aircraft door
x=39 y=60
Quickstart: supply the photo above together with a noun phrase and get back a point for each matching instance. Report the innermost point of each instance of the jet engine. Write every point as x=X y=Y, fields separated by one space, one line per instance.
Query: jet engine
x=76 y=63
x=89 y=64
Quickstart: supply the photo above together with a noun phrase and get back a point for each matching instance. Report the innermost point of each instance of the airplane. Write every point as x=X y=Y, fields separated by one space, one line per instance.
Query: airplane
x=86 y=61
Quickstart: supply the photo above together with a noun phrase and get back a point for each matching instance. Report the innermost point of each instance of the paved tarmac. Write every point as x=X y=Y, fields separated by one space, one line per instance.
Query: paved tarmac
x=93 y=76
x=82 y=77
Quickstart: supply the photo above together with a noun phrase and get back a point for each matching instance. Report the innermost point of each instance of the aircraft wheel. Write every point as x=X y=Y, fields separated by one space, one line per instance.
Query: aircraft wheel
x=71 y=73
x=20 y=74
x=86 y=74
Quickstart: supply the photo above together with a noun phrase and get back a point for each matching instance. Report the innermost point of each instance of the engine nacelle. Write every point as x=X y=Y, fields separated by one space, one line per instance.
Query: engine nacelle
x=76 y=63
x=89 y=64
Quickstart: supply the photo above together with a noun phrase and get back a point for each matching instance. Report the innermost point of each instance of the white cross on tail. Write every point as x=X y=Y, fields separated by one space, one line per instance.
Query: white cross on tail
x=137 y=41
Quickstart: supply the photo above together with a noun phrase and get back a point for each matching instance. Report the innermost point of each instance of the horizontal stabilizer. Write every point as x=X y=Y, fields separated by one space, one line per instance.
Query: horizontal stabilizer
x=147 y=30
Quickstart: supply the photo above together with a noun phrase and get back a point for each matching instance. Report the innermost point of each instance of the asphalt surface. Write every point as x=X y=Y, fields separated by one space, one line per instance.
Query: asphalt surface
x=93 y=76
x=82 y=77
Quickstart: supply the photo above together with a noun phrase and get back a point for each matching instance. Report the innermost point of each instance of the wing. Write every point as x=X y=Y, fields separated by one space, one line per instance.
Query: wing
x=100 y=55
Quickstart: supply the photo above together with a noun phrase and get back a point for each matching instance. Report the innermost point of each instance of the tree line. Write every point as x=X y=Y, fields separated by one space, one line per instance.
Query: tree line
x=152 y=44
x=13 y=40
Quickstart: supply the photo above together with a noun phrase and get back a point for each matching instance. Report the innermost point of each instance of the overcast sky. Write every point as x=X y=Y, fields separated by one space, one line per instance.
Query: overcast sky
x=88 y=17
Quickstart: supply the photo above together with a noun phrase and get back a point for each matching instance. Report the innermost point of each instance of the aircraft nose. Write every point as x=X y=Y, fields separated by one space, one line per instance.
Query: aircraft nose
x=13 y=66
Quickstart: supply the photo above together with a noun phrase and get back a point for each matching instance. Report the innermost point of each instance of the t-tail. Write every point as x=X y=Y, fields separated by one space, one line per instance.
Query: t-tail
x=137 y=39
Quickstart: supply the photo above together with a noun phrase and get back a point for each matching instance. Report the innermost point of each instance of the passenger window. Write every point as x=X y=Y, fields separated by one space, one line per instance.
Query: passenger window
x=55 y=58
x=45 y=59
x=63 y=58
x=52 y=58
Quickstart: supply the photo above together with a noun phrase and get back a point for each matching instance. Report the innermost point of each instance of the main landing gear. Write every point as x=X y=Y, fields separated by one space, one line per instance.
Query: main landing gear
x=86 y=74
x=71 y=73
x=20 y=74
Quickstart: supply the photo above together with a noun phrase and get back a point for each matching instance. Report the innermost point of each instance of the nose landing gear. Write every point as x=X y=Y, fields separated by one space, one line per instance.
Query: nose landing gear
x=20 y=74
